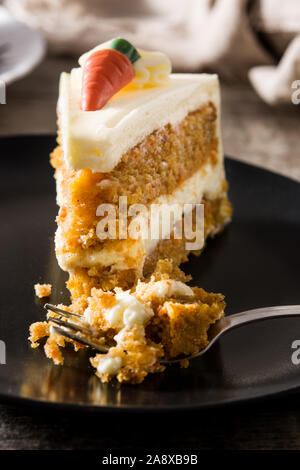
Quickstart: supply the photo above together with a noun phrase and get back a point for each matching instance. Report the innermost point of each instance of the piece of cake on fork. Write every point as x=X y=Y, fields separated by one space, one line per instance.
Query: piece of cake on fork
x=160 y=319
x=150 y=138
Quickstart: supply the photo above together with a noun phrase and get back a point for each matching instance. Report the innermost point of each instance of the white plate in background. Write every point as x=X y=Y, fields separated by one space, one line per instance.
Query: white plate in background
x=21 y=48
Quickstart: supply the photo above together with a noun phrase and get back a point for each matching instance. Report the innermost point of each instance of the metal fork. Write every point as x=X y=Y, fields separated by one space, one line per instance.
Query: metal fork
x=75 y=328
x=84 y=335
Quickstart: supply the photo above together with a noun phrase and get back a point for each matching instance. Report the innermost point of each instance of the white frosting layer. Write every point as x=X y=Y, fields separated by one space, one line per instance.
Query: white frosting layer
x=98 y=139
x=208 y=182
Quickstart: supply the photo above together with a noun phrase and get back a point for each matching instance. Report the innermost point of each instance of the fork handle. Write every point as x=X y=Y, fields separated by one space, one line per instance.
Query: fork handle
x=238 y=319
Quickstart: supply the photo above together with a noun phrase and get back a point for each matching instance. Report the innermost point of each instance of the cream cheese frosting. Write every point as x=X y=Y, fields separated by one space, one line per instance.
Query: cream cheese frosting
x=127 y=312
x=98 y=139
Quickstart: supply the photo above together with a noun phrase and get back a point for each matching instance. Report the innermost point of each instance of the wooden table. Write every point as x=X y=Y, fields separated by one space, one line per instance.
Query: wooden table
x=253 y=132
x=274 y=424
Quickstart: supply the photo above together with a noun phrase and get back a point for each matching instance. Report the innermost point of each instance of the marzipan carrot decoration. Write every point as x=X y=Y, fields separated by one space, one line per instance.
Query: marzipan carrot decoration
x=105 y=72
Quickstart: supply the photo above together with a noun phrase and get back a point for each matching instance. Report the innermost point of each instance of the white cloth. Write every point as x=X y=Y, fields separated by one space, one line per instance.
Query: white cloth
x=218 y=35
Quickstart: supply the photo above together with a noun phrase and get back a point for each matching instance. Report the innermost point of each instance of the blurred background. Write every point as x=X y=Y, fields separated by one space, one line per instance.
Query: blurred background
x=254 y=45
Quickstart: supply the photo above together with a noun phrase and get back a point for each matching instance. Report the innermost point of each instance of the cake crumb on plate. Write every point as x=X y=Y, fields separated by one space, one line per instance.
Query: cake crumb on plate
x=42 y=290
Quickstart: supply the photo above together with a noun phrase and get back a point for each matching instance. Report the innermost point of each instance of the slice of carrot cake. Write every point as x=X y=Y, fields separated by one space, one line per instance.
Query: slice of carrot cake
x=134 y=141
x=140 y=185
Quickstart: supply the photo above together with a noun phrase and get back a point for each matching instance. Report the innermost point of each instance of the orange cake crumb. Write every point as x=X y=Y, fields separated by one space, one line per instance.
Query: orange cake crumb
x=42 y=290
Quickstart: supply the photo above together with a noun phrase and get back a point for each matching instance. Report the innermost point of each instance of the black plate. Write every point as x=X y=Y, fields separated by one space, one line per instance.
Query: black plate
x=254 y=263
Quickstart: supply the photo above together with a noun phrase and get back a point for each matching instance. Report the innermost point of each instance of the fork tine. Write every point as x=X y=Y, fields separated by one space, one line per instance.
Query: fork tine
x=81 y=340
x=55 y=309
x=72 y=326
